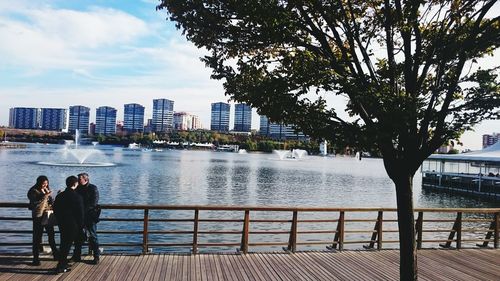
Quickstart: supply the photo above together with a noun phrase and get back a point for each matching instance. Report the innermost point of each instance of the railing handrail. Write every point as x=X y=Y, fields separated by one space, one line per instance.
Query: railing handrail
x=266 y=208
x=339 y=240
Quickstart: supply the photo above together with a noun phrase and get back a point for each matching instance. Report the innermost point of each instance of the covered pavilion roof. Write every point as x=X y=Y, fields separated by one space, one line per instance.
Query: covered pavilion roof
x=491 y=154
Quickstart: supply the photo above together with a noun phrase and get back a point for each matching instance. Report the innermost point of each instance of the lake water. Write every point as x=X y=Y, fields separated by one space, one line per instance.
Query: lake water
x=183 y=177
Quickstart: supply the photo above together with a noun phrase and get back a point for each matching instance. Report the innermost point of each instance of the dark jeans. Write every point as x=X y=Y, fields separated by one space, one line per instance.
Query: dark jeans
x=93 y=241
x=37 y=238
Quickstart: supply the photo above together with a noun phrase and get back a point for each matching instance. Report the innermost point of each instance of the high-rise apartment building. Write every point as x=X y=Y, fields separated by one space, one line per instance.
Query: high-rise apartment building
x=163 y=115
x=133 y=118
x=279 y=131
x=196 y=122
x=264 y=126
x=53 y=119
x=219 y=120
x=79 y=119
x=11 y=117
x=24 y=118
x=184 y=121
x=242 y=118
x=105 y=120
x=490 y=139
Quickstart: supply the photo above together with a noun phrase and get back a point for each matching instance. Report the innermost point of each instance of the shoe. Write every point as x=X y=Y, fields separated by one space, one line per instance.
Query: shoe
x=63 y=270
x=35 y=263
x=95 y=261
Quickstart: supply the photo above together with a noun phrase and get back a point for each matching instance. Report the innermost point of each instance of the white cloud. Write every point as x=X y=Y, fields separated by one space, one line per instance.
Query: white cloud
x=50 y=38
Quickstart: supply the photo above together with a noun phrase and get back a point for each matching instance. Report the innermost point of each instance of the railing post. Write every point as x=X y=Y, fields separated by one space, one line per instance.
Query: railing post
x=492 y=231
x=338 y=239
x=145 y=232
x=458 y=221
x=292 y=242
x=244 y=234
x=380 y=219
x=341 y=231
x=377 y=233
x=195 y=231
x=497 y=230
x=420 y=224
x=459 y=230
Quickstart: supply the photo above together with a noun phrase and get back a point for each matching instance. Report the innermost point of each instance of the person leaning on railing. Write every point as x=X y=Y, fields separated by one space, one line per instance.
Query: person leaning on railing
x=40 y=201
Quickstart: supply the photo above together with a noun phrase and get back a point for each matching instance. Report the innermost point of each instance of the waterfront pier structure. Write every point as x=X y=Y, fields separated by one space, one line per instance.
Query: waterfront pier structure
x=471 y=174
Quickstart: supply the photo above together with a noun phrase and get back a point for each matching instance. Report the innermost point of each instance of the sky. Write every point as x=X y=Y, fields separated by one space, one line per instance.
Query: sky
x=57 y=53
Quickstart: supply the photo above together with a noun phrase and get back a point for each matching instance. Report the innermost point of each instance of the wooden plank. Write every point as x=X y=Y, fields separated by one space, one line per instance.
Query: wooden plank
x=277 y=267
x=243 y=267
x=129 y=267
x=121 y=265
x=252 y=267
x=306 y=261
x=267 y=270
x=339 y=266
x=159 y=267
x=465 y=264
x=217 y=263
x=229 y=272
x=166 y=266
x=152 y=267
x=290 y=265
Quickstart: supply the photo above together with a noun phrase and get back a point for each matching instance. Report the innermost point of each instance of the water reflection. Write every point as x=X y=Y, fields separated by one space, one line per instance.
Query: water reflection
x=197 y=177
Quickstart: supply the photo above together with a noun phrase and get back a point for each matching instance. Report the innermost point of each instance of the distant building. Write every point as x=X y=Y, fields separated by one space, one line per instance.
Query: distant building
x=120 y=129
x=196 y=122
x=279 y=131
x=79 y=118
x=219 y=120
x=92 y=129
x=163 y=115
x=184 y=121
x=242 y=118
x=105 y=120
x=264 y=126
x=148 y=126
x=490 y=139
x=11 y=118
x=133 y=118
x=53 y=119
x=24 y=118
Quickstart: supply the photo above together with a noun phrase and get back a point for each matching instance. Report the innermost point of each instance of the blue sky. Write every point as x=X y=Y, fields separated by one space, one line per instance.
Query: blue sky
x=94 y=53
x=57 y=53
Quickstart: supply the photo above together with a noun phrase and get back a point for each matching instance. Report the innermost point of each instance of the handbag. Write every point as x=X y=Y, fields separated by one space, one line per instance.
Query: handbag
x=49 y=218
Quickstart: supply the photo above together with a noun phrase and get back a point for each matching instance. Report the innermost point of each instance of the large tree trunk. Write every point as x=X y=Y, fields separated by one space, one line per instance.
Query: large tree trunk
x=408 y=253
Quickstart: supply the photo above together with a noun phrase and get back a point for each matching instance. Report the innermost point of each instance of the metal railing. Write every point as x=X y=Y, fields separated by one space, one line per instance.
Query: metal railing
x=340 y=226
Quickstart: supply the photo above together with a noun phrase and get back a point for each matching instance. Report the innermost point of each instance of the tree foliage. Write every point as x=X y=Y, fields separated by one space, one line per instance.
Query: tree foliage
x=409 y=70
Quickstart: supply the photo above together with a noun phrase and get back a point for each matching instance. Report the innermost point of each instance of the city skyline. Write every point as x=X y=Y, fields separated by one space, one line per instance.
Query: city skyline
x=76 y=61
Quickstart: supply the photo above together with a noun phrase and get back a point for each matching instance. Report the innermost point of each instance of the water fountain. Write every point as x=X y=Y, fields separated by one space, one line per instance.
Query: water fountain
x=74 y=155
x=293 y=154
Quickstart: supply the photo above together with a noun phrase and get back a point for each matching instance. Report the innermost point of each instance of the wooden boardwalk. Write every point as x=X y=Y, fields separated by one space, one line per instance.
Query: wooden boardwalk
x=469 y=264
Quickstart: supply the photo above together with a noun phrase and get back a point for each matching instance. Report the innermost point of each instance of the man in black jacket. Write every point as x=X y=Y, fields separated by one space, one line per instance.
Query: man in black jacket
x=90 y=196
x=68 y=208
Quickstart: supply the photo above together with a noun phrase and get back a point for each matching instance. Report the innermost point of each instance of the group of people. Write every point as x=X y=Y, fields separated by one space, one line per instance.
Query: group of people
x=76 y=211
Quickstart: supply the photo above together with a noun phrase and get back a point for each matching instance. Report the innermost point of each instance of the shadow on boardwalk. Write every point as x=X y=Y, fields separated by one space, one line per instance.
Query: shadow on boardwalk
x=467 y=264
